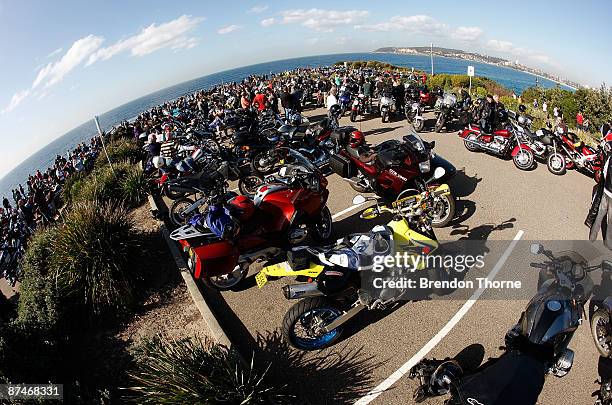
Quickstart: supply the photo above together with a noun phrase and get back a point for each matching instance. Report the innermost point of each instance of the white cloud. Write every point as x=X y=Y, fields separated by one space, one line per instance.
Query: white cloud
x=508 y=47
x=322 y=20
x=228 y=29
x=153 y=38
x=258 y=9
x=412 y=24
x=16 y=100
x=54 y=72
x=267 y=22
x=56 y=52
x=468 y=33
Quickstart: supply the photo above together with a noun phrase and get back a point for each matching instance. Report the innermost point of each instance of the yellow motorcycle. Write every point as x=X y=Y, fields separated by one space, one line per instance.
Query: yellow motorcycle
x=340 y=275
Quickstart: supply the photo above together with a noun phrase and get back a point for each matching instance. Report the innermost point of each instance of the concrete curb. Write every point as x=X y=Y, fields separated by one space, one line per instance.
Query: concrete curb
x=215 y=329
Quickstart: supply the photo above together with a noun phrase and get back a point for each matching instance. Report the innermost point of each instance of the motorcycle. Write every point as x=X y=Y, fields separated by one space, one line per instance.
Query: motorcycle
x=503 y=143
x=414 y=114
x=337 y=293
x=359 y=107
x=290 y=206
x=344 y=101
x=604 y=393
x=386 y=106
x=572 y=152
x=427 y=98
x=445 y=109
x=398 y=166
x=536 y=346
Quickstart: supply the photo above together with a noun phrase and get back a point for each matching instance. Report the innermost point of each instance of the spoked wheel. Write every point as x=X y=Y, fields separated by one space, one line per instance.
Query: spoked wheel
x=556 y=164
x=601 y=329
x=418 y=125
x=324 y=229
x=249 y=184
x=226 y=282
x=439 y=123
x=176 y=214
x=524 y=159
x=304 y=323
x=443 y=210
x=264 y=162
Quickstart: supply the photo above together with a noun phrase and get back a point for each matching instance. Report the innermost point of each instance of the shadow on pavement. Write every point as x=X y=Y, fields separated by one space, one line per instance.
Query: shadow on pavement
x=337 y=375
x=378 y=131
x=481 y=232
x=471 y=357
x=463 y=186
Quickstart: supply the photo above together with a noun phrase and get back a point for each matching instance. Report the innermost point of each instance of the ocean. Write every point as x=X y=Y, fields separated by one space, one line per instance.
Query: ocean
x=510 y=78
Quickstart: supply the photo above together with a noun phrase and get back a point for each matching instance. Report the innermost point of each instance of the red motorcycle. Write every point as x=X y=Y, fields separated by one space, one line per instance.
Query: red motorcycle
x=503 y=142
x=284 y=211
x=571 y=153
x=396 y=167
x=427 y=98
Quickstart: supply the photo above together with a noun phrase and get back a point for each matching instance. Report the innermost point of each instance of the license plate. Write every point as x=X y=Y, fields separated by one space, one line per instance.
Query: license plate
x=261 y=279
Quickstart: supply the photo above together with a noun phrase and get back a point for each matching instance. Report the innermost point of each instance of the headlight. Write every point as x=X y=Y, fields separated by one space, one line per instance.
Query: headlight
x=425 y=167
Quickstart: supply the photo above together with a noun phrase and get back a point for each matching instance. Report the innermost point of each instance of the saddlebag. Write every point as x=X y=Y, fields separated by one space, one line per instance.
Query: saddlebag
x=298 y=259
x=341 y=166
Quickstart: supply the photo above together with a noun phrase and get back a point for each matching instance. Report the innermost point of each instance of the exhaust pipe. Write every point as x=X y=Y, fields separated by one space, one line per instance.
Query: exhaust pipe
x=481 y=146
x=297 y=291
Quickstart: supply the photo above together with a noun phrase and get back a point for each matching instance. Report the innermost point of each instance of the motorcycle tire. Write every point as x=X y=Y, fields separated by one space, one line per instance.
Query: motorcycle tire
x=173 y=195
x=449 y=212
x=177 y=207
x=256 y=166
x=221 y=283
x=439 y=123
x=212 y=146
x=299 y=314
x=598 y=318
x=418 y=125
x=529 y=162
x=385 y=117
x=342 y=111
x=321 y=234
x=470 y=146
x=353 y=116
x=560 y=167
x=249 y=185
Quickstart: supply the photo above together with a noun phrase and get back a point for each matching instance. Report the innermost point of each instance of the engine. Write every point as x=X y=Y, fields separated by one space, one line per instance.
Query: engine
x=498 y=143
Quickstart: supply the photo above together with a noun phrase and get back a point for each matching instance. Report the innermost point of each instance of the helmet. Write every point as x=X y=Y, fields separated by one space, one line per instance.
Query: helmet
x=447 y=373
x=356 y=139
x=522 y=108
x=242 y=207
x=335 y=110
x=158 y=162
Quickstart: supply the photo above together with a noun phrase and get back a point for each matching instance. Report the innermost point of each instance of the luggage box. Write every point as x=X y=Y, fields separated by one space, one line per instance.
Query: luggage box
x=341 y=166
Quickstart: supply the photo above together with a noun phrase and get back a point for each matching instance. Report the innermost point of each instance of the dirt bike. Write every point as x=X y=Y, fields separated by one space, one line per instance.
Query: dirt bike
x=339 y=292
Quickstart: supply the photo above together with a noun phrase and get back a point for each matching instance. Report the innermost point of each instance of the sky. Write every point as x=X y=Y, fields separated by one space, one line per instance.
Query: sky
x=64 y=61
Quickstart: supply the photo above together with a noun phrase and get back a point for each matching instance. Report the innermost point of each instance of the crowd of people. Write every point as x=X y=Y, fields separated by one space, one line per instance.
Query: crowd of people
x=36 y=204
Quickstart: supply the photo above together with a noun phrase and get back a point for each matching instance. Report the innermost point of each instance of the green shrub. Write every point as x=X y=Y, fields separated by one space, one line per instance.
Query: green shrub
x=192 y=371
x=134 y=186
x=120 y=150
x=101 y=186
x=92 y=257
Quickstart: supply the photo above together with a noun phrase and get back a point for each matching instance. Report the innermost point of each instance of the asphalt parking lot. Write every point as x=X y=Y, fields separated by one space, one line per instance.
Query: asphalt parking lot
x=499 y=207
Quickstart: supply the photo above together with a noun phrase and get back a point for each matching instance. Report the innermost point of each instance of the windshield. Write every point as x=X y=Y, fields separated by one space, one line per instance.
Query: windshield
x=294 y=161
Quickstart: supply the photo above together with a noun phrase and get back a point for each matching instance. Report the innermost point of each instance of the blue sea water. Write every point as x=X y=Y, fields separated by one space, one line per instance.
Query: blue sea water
x=510 y=78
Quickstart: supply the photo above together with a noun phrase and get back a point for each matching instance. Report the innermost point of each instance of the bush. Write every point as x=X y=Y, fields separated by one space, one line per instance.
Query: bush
x=192 y=371
x=120 y=150
x=134 y=186
x=92 y=257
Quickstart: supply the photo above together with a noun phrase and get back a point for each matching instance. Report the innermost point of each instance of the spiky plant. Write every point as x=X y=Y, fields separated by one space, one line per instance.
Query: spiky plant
x=92 y=257
x=196 y=371
x=134 y=186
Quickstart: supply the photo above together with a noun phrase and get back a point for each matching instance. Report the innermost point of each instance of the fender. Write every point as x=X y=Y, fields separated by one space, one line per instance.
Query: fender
x=442 y=189
x=465 y=133
x=521 y=146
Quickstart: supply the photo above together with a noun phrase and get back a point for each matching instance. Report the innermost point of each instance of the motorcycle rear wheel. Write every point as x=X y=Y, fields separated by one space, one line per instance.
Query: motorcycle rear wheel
x=227 y=282
x=176 y=209
x=304 y=314
x=171 y=194
x=249 y=185
x=556 y=164
x=602 y=332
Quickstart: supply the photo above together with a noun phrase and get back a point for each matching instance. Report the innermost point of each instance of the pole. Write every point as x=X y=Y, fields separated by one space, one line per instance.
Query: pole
x=431 y=56
x=102 y=140
x=470 y=91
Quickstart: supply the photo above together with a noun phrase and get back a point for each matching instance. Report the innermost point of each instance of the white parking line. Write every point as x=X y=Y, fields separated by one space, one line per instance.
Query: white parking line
x=393 y=378
x=346 y=210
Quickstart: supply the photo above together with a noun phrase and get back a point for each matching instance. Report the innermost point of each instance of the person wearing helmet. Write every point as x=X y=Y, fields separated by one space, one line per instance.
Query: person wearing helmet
x=359 y=148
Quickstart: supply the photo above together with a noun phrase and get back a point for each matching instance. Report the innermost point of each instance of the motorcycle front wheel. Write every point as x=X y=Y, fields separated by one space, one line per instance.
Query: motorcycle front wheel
x=524 y=159
x=602 y=332
x=418 y=125
x=304 y=322
x=439 y=123
x=324 y=229
x=469 y=145
x=177 y=218
x=385 y=116
x=556 y=164
x=249 y=185
x=443 y=211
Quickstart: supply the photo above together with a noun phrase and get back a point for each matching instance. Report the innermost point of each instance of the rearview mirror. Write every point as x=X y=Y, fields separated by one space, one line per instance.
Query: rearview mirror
x=358 y=200
x=536 y=248
x=439 y=173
